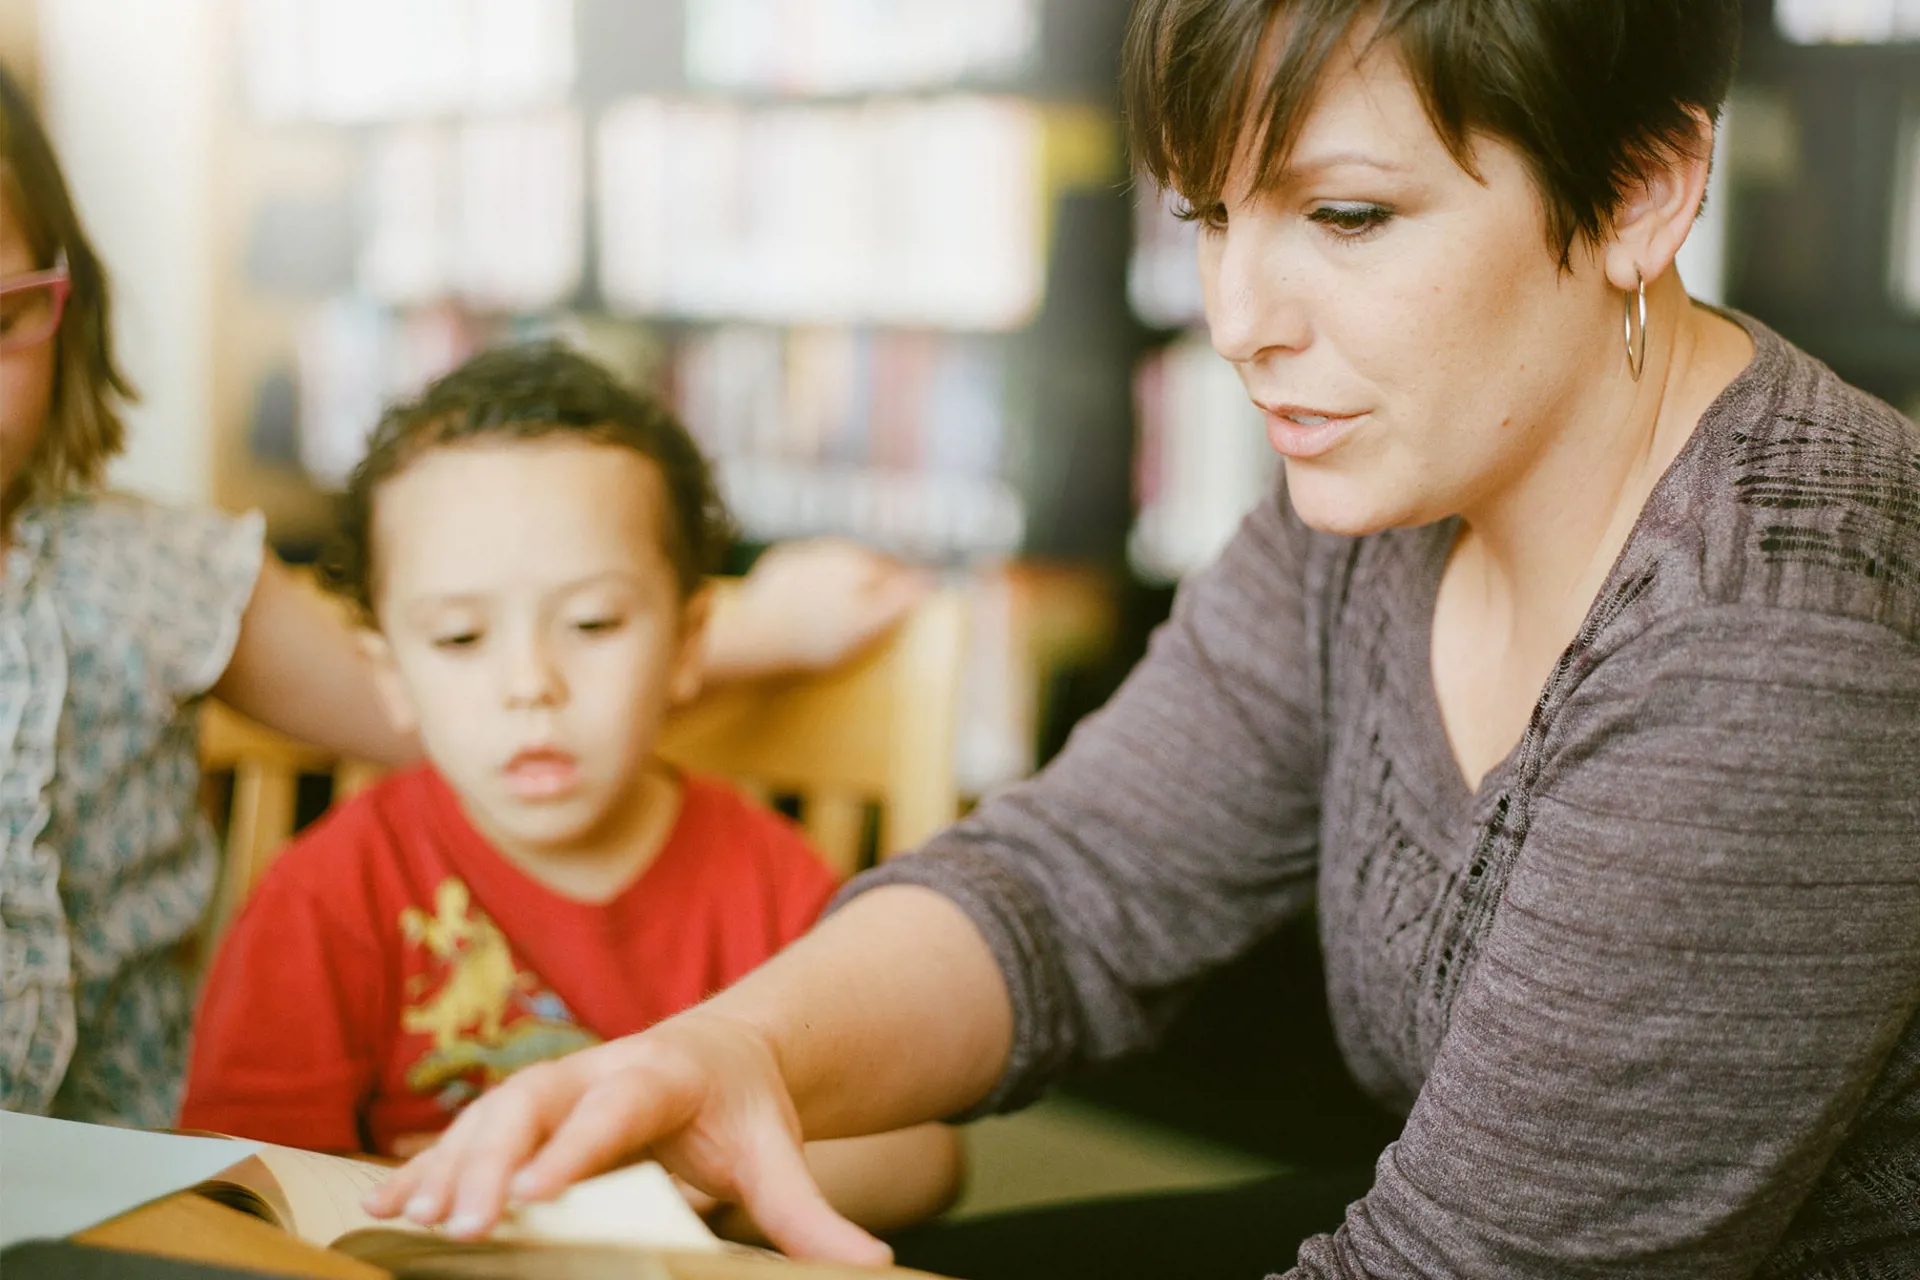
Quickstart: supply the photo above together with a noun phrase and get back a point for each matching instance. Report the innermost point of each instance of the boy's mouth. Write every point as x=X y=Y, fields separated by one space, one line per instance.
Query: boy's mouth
x=541 y=773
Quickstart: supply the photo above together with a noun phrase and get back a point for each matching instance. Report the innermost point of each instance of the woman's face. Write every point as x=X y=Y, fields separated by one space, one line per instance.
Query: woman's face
x=1411 y=337
x=26 y=373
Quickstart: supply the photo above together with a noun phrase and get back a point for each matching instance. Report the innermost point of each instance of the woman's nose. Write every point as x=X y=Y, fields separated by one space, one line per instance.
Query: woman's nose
x=1252 y=304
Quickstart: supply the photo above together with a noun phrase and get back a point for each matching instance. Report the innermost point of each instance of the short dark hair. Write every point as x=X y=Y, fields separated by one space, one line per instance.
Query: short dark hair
x=529 y=392
x=84 y=427
x=1589 y=91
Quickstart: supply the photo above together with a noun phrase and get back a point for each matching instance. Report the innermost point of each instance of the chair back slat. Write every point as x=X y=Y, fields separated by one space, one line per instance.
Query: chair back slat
x=879 y=729
x=836 y=823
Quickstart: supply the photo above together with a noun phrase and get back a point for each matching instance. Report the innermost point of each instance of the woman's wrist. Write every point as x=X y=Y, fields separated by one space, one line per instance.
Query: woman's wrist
x=890 y=1013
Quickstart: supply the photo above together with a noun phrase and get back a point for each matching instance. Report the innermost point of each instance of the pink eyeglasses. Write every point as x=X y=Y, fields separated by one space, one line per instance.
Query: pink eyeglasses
x=31 y=306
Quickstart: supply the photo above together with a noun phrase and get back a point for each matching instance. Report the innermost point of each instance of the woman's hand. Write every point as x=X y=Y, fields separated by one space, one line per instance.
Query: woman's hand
x=807 y=606
x=701 y=1093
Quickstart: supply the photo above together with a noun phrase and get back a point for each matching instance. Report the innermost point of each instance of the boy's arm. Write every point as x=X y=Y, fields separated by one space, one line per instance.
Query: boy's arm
x=882 y=1182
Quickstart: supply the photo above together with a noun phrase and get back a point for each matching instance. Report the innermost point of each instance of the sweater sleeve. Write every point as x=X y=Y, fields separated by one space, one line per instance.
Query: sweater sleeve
x=1705 y=958
x=1177 y=828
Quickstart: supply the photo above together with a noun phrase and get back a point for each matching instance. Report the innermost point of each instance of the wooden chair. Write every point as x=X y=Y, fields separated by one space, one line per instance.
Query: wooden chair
x=262 y=770
x=879 y=730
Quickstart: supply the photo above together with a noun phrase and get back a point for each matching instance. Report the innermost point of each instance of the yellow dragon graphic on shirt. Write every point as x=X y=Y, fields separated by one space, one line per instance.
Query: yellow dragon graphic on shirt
x=484 y=1016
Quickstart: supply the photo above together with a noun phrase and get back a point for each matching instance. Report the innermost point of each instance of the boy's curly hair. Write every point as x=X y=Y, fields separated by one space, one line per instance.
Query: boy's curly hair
x=525 y=393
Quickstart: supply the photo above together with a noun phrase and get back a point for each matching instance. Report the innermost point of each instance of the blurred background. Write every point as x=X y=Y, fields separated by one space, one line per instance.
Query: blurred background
x=885 y=257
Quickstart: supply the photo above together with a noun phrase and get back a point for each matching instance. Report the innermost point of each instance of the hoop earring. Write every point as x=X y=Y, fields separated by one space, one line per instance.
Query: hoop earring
x=1637 y=333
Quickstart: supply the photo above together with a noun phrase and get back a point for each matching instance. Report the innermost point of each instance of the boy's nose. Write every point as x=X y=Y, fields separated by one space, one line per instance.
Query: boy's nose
x=532 y=678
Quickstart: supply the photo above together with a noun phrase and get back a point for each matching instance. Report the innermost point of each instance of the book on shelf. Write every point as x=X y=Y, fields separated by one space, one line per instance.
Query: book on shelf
x=365 y=61
x=491 y=211
x=827 y=47
x=894 y=437
x=913 y=212
x=1163 y=274
x=1848 y=21
x=1203 y=460
x=1905 y=256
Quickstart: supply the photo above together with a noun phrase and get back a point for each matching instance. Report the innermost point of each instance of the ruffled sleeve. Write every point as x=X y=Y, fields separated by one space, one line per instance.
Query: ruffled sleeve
x=185 y=578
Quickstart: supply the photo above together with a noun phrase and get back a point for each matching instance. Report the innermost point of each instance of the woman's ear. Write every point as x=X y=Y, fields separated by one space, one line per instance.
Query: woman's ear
x=1659 y=210
x=387 y=682
x=690 y=652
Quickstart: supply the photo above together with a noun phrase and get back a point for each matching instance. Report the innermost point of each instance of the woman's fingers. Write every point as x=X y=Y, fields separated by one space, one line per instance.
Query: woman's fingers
x=406 y=1186
x=491 y=1156
x=704 y=1092
x=616 y=1117
x=778 y=1191
x=461 y=1179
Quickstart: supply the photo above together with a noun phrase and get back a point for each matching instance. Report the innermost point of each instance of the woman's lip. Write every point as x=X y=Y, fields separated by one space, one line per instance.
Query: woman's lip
x=1291 y=439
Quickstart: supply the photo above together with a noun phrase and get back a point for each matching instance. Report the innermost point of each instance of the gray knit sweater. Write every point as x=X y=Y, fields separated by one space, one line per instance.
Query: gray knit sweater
x=1648 y=997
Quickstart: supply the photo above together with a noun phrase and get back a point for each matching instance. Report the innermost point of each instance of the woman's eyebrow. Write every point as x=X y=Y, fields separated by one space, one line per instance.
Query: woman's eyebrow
x=1301 y=166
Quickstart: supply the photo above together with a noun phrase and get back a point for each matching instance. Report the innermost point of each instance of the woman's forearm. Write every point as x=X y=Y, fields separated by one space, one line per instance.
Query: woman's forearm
x=890 y=1013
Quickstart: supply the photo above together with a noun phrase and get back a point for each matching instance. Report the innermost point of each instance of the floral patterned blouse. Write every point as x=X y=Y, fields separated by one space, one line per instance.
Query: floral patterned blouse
x=115 y=616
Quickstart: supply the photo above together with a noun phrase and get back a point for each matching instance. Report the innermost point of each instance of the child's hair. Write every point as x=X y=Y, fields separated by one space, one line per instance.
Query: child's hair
x=526 y=393
x=84 y=428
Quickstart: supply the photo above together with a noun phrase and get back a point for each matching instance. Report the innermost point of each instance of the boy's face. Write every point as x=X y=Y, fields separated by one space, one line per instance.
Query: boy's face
x=532 y=630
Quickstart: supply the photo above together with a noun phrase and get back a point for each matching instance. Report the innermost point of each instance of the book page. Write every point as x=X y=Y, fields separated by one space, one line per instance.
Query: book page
x=637 y=1205
x=60 y=1176
x=634 y=1207
x=322 y=1194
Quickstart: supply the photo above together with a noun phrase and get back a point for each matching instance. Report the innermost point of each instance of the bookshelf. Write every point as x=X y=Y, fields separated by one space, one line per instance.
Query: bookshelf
x=1825 y=203
x=866 y=248
x=1201 y=459
x=823 y=227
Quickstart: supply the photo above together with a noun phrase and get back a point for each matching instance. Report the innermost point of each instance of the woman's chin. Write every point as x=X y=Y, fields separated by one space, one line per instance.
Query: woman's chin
x=1342 y=504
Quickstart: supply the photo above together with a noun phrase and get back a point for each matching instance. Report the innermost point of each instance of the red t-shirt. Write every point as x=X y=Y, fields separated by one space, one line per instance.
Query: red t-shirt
x=392 y=964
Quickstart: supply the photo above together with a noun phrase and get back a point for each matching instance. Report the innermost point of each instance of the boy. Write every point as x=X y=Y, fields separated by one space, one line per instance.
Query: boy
x=528 y=543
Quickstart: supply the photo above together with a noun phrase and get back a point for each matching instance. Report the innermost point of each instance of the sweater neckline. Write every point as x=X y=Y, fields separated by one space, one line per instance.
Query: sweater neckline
x=1460 y=803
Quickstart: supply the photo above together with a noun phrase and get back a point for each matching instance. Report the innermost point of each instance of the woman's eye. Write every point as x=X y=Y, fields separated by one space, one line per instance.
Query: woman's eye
x=1351 y=221
x=1212 y=216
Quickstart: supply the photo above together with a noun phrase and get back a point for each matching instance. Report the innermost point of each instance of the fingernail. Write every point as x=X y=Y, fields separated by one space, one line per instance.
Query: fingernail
x=420 y=1207
x=522 y=1186
x=465 y=1224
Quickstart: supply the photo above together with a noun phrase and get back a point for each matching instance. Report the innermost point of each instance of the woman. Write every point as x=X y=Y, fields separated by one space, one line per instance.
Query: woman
x=1574 y=671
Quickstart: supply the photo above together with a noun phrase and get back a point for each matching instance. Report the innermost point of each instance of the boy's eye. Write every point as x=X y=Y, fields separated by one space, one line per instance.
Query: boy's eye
x=598 y=624
x=1351 y=221
x=457 y=640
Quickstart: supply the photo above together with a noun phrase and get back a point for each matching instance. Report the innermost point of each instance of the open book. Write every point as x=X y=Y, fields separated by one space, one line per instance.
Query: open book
x=631 y=1224
x=319 y=1200
x=58 y=1177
